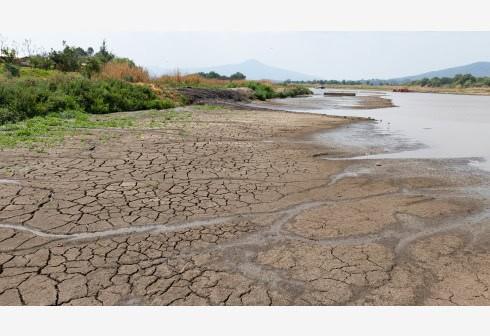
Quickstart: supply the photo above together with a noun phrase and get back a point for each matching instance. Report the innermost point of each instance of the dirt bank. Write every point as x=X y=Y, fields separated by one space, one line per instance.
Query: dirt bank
x=235 y=207
x=207 y=96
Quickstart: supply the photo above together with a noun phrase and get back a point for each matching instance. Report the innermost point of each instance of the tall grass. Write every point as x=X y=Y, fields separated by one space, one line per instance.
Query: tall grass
x=123 y=71
x=177 y=80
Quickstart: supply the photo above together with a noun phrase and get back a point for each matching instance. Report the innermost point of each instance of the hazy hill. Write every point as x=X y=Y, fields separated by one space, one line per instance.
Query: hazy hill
x=478 y=69
x=253 y=69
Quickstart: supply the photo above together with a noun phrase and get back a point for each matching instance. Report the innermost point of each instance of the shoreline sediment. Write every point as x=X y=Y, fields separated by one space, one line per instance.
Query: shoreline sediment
x=281 y=225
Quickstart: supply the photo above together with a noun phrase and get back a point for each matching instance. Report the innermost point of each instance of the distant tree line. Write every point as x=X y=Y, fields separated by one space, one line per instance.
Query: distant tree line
x=462 y=81
x=215 y=75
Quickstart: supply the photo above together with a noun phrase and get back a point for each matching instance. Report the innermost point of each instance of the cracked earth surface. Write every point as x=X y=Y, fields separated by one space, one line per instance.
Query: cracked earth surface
x=236 y=207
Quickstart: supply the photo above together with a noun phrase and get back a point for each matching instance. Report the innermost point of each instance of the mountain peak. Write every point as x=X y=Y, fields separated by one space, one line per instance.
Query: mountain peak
x=252 y=62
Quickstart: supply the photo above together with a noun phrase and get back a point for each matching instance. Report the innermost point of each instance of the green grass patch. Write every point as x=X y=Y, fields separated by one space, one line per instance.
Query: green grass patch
x=44 y=131
x=38 y=73
x=53 y=128
x=30 y=72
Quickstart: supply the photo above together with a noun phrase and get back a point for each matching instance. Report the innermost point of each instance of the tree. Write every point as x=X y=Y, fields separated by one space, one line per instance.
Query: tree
x=8 y=55
x=104 y=55
x=66 y=60
x=237 y=76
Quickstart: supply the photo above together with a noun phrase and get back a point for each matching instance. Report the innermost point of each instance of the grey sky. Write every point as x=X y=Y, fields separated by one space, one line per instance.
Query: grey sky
x=332 y=55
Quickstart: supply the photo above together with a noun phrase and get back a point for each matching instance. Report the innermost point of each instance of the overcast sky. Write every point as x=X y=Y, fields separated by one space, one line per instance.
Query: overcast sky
x=331 y=55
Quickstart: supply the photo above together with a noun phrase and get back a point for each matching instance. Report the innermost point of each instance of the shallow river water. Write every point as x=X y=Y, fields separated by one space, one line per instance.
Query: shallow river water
x=422 y=125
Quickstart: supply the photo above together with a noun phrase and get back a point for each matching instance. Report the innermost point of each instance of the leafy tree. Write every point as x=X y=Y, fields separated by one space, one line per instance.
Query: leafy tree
x=8 y=55
x=237 y=76
x=104 y=55
x=69 y=59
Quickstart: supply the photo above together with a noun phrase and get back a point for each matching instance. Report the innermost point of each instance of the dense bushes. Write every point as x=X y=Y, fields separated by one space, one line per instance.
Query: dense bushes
x=264 y=91
x=26 y=98
x=293 y=91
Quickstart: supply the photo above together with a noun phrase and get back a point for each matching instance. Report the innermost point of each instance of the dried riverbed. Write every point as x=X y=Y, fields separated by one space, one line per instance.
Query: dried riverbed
x=237 y=207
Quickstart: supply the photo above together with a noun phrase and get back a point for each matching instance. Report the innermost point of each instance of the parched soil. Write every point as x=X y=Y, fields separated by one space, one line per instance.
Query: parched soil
x=235 y=207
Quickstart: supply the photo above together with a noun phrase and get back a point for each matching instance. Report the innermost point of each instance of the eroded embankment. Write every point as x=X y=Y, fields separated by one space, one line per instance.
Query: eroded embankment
x=235 y=207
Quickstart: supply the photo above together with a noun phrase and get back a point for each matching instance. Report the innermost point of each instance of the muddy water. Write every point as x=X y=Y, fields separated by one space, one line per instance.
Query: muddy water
x=422 y=125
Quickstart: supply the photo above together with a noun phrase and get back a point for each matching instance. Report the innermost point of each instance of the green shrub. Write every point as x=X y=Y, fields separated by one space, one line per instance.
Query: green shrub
x=25 y=98
x=41 y=62
x=262 y=91
x=11 y=70
x=7 y=115
x=293 y=91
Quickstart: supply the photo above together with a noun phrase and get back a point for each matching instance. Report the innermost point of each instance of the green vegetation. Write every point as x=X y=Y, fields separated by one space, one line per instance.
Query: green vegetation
x=264 y=91
x=30 y=72
x=41 y=131
x=73 y=59
x=294 y=91
x=458 y=81
x=215 y=75
x=44 y=96
x=26 y=98
x=46 y=130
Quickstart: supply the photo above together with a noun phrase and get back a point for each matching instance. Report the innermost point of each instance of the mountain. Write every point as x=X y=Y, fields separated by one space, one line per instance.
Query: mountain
x=478 y=69
x=253 y=69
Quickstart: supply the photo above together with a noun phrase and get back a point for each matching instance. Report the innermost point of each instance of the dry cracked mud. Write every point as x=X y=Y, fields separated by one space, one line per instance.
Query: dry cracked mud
x=236 y=207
